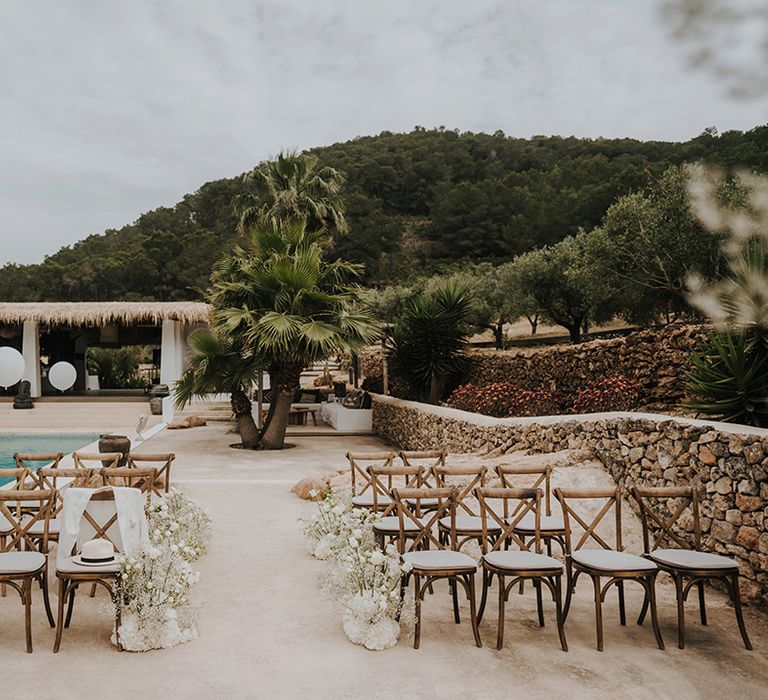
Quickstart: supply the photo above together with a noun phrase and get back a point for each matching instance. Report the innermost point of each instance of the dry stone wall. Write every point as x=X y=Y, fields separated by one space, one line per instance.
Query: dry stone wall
x=728 y=464
x=657 y=359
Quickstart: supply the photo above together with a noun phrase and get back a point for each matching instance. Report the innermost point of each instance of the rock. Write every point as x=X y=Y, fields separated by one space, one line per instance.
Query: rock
x=747 y=537
x=723 y=531
x=723 y=485
x=706 y=456
x=733 y=516
x=749 y=504
x=753 y=453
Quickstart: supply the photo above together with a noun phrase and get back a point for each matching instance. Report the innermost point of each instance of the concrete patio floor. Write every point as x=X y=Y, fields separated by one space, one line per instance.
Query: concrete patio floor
x=266 y=630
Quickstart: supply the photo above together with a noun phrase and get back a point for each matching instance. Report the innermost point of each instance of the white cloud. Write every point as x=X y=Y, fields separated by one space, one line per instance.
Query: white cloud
x=109 y=109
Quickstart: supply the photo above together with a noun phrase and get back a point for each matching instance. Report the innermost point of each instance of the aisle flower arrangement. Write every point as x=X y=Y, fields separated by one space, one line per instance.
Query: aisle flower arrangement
x=155 y=607
x=360 y=577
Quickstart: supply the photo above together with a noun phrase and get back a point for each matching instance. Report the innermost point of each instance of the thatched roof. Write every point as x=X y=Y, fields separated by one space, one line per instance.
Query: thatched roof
x=101 y=313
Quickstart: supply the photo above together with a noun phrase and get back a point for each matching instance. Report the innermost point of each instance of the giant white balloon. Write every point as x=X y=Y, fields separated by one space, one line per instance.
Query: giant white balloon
x=11 y=366
x=62 y=376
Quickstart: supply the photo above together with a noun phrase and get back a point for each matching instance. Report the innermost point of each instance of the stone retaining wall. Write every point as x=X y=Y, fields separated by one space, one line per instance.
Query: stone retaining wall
x=657 y=359
x=729 y=463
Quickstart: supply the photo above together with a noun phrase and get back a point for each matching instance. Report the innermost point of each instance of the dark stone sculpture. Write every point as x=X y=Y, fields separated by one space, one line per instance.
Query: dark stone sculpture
x=23 y=398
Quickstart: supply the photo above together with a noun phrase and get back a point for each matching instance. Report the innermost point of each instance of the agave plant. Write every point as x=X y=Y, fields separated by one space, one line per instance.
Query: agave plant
x=220 y=365
x=288 y=306
x=729 y=381
x=426 y=345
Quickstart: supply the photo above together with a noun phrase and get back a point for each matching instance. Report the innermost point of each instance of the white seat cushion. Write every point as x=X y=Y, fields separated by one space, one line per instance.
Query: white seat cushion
x=54 y=527
x=21 y=562
x=547 y=523
x=70 y=567
x=392 y=524
x=610 y=560
x=423 y=502
x=515 y=560
x=468 y=523
x=691 y=559
x=433 y=559
x=365 y=500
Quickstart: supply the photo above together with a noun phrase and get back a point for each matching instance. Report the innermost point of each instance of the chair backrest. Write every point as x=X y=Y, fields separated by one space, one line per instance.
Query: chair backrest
x=359 y=463
x=385 y=479
x=445 y=475
x=505 y=508
x=15 y=508
x=48 y=478
x=573 y=514
x=411 y=513
x=429 y=459
x=144 y=479
x=20 y=475
x=541 y=477
x=160 y=462
x=658 y=522
x=25 y=460
x=96 y=460
x=99 y=520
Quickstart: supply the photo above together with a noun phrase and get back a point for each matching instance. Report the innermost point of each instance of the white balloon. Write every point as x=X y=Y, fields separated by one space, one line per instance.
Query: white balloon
x=62 y=376
x=11 y=366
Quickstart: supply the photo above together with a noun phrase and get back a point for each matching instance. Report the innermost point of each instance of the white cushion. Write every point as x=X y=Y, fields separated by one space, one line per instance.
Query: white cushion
x=424 y=502
x=70 y=567
x=468 y=523
x=610 y=560
x=514 y=560
x=547 y=523
x=365 y=500
x=54 y=527
x=691 y=559
x=432 y=559
x=21 y=562
x=392 y=524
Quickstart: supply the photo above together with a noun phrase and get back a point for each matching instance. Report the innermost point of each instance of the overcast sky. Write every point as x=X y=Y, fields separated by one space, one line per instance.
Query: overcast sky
x=111 y=108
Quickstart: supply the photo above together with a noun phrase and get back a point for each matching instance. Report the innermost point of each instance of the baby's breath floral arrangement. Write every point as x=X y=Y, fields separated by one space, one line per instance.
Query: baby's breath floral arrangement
x=360 y=577
x=153 y=595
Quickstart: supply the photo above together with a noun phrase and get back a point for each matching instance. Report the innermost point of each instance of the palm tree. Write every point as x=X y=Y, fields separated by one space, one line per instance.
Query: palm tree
x=289 y=188
x=219 y=365
x=290 y=307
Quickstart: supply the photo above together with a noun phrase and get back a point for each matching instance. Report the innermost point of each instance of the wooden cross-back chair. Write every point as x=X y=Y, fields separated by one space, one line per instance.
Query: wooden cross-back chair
x=415 y=540
x=70 y=574
x=20 y=561
x=160 y=462
x=429 y=459
x=144 y=479
x=468 y=523
x=609 y=562
x=24 y=460
x=362 y=492
x=501 y=510
x=383 y=481
x=96 y=460
x=552 y=527
x=58 y=480
x=660 y=510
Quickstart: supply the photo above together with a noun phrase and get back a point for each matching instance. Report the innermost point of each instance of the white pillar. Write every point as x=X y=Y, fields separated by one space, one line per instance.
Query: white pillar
x=170 y=366
x=30 y=349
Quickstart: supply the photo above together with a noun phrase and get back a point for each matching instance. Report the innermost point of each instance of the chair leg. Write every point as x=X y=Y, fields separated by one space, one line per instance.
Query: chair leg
x=46 y=598
x=71 y=604
x=93 y=590
x=502 y=599
x=654 y=616
x=733 y=582
x=559 y=611
x=539 y=606
x=598 y=612
x=487 y=580
x=417 y=603
x=622 y=609
x=570 y=583
x=455 y=596
x=62 y=590
x=643 y=610
x=702 y=605
x=473 y=609
x=26 y=595
x=678 y=579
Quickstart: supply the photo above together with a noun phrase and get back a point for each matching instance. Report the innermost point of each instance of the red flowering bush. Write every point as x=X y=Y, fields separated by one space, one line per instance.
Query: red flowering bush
x=617 y=393
x=504 y=400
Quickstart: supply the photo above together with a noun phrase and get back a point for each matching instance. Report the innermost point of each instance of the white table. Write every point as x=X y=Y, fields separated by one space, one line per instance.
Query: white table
x=348 y=419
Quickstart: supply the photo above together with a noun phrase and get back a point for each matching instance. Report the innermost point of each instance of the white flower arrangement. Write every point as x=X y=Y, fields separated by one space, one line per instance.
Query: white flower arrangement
x=363 y=579
x=153 y=595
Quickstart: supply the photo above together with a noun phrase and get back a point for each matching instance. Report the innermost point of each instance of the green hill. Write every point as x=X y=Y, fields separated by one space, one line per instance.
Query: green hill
x=414 y=201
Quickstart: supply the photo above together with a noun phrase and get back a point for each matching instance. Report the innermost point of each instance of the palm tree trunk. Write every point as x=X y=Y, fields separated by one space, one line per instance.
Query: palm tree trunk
x=246 y=426
x=285 y=381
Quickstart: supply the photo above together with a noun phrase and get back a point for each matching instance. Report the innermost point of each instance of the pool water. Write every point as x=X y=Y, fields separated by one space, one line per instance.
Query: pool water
x=44 y=443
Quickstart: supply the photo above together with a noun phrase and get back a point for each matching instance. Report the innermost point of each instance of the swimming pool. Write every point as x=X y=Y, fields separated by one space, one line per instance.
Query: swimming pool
x=41 y=443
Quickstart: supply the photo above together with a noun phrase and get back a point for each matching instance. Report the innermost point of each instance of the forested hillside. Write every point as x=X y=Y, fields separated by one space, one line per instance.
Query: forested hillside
x=414 y=201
